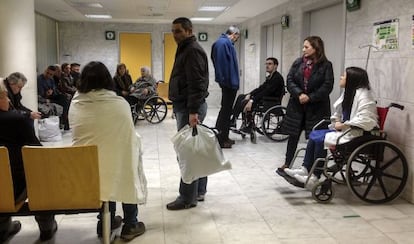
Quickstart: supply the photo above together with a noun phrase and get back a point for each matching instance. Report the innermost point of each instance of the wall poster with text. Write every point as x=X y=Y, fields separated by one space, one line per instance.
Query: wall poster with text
x=385 y=35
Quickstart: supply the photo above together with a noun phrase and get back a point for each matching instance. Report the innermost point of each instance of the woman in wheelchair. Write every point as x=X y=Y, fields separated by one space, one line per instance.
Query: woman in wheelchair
x=355 y=108
x=143 y=88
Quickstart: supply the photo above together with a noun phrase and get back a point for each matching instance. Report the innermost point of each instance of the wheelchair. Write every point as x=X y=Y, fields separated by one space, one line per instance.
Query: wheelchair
x=265 y=119
x=152 y=108
x=374 y=169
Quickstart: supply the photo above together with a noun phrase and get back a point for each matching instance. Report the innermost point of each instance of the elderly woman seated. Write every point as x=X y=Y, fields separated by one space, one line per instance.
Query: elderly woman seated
x=143 y=88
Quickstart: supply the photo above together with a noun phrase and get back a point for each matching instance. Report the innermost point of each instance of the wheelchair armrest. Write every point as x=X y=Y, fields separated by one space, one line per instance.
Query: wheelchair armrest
x=321 y=123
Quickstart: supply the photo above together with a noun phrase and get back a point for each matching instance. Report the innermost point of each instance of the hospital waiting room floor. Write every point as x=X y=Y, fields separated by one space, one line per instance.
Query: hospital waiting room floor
x=248 y=204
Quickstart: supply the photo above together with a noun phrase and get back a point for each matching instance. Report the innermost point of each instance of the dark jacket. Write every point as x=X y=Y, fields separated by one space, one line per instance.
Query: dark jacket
x=189 y=77
x=15 y=102
x=122 y=83
x=15 y=132
x=320 y=85
x=226 y=68
x=274 y=87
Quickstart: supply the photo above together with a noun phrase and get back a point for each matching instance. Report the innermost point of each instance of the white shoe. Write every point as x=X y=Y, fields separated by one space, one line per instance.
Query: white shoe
x=302 y=179
x=292 y=172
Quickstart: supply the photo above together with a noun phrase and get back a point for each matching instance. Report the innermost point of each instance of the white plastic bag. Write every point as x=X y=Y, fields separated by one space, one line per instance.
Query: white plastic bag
x=49 y=129
x=199 y=153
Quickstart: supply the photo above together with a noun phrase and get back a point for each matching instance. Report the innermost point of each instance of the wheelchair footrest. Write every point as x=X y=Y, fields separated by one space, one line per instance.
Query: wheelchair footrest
x=290 y=179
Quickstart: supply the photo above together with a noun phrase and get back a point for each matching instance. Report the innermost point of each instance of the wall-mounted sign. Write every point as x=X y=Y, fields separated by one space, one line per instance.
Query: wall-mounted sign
x=385 y=35
x=202 y=36
x=109 y=35
x=352 y=5
x=284 y=21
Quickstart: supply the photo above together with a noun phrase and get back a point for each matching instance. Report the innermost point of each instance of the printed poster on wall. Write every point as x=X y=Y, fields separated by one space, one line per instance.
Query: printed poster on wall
x=385 y=35
x=412 y=34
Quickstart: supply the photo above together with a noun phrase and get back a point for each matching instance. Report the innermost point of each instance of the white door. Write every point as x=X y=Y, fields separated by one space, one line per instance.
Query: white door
x=273 y=47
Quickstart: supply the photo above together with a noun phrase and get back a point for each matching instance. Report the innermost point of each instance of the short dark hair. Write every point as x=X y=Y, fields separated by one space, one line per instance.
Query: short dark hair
x=95 y=76
x=52 y=67
x=274 y=60
x=185 y=23
x=74 y=64
x=62 y=67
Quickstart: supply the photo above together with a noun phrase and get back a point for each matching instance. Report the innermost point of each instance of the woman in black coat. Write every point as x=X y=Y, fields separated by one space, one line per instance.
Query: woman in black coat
x=309 y=82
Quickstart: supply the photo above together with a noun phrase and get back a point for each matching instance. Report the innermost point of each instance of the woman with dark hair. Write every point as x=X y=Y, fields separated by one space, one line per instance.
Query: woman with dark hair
x=356 y=107
x=122 y=80
x=309 y=82
x=98 y=116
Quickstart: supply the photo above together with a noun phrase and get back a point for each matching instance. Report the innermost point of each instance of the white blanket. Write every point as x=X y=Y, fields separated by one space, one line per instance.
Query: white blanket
x=102 y=118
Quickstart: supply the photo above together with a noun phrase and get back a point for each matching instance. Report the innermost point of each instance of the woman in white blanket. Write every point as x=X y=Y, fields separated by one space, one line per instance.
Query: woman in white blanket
x=99 y=117
x=355 y=108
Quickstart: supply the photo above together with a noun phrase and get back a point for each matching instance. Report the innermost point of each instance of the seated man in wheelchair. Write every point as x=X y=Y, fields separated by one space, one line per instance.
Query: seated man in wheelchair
x=355 y=108
x=274 y=86
x=143 y=88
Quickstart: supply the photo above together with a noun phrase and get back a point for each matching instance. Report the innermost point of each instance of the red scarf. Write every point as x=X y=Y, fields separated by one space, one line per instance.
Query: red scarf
x=307 y=71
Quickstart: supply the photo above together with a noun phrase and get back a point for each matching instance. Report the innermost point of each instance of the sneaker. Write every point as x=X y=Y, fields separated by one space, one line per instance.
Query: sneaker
x=302 y=179
x=115 y=224
x=14 y=228
x=46 y=235
x=200 y=198
x=292 y=172
x=129 y=232
x=179 y=205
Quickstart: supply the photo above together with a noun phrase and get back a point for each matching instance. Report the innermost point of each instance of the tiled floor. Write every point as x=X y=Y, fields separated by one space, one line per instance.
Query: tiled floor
x=248 y=204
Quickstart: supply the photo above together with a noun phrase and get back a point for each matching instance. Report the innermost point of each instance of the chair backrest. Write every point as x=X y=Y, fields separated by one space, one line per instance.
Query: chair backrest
x=7 y=201
x=162 y=90
x=60 y=178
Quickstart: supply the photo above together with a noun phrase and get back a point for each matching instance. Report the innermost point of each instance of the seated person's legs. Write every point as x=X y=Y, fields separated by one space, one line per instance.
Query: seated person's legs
x=237 y=109
x=47 y=226
x=132 y=228
x=8 y=228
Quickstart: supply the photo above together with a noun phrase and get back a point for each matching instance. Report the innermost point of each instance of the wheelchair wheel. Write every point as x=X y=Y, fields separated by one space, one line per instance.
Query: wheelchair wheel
x=253 y=137
x=155 y=109
x=271 y=123
x=377 y=171
x=323 y=191
x=336 y=171
x=135 y=113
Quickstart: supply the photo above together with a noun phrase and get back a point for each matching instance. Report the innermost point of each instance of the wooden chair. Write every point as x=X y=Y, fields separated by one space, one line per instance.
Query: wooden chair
x=7 y=203
x=64 y=180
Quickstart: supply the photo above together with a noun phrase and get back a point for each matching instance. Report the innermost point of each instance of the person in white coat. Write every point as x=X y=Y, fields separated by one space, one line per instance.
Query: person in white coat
x=355 y=108
x=99 y=117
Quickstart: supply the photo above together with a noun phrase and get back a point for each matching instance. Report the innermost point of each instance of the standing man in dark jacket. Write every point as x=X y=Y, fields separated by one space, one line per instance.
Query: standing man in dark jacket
x=188 y=91
x=224 y=57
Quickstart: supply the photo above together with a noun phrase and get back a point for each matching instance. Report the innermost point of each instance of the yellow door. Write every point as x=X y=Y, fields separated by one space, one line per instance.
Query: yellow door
x=170 y=47
x=135 y=52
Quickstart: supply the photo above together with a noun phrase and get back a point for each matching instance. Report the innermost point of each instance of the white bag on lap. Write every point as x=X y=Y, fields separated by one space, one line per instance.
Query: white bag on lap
x=199 y=153
x=49 y=129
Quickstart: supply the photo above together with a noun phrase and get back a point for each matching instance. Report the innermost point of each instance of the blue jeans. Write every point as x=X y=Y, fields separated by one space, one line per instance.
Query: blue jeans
x=315 y=149
x=130 y=212
x=189 y=192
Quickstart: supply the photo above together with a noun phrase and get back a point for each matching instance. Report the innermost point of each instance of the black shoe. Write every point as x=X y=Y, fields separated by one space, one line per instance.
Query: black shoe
x=179 y=205
x=232 y=142
x=115 y=224
x=201 y=197
x=46 y=235
x=225 y=144
x=14 y=228
x=281 y=172
x=233 y=125
x=129 y=232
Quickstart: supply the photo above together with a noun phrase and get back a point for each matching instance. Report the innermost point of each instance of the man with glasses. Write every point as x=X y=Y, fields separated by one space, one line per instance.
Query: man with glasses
x=274 y=86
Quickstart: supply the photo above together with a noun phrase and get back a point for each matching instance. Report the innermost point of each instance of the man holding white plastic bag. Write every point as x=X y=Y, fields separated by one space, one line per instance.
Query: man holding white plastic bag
x=188 y=90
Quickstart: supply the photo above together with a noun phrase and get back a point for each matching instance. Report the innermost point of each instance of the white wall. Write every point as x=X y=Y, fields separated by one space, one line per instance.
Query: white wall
x=85 y=42
x=391 y=73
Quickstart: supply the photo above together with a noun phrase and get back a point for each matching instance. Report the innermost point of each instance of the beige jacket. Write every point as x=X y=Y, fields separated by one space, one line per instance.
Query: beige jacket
x=102 y=118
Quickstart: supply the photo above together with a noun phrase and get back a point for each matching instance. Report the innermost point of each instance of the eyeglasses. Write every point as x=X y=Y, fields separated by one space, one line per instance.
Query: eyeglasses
x=269 y=63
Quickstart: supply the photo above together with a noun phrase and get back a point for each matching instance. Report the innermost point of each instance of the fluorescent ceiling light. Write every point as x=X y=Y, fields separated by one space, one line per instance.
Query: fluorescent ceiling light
x=212 y=8
x=94 y=5
x=201 y=19
x=98 y=16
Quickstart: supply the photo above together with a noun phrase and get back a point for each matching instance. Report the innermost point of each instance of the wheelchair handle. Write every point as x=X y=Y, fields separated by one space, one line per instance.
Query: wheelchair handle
x=396 y=105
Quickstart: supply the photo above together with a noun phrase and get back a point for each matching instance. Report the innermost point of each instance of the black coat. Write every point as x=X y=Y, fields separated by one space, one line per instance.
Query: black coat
x=274 y=87
x=189 y=76
x=16 y=131
x=320 y=85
